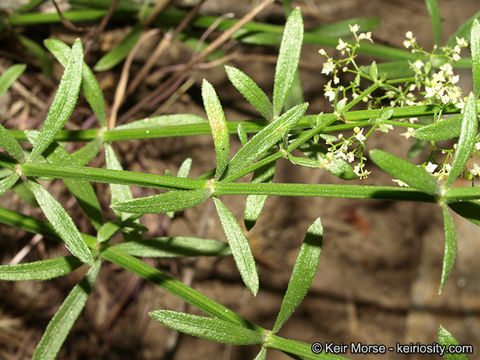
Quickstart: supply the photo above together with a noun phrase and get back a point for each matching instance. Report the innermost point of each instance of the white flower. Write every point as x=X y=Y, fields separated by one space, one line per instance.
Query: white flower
x=418 y=64
x=359 y=134
x=328 y=67
x=341 y=46
x=413 y=120
x=409 y=133
x=354 y=28
x=431 y=167
x=476 y=170
x=322 y=52
x=409 y=35
x=461 y=42
x=447 y=68
x=360 y=171
x=430 y=92
x=454 y=79
x=350 y=157
x=365 y=36
x=329 y=92
x=456 y=57
x=407 y=44
x=438 y=76
x=400 y=182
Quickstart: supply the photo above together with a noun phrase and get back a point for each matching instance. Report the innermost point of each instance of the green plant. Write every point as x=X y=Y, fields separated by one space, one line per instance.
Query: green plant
x=418 y=92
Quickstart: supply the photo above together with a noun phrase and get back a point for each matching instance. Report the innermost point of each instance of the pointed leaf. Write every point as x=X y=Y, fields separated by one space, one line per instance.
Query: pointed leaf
x=11 y=145
x=242 y=134
x=40 y=270
x=254 y=203
x=40 y=53
x=118 y=192
x=262 y=354
x=163 y=120
x=107 y=230
x=184 y=169
x=175 y=247
x=7 y=182
x=450 y=246
x=288 y=58
x=265 y=139
x=63 y=320
x=475 y=49
x=84 y=155
x=119 y=52
x=218 y=125
x=161 y=203
x=441 y=130
x=302 y=274
x=413 y=175
x=463 y=31
x=62 y=223
x=434 y=12
x=250 y=91
x=82 y=190
x=466 y=142
x=470 y=210
x=242 y=254
x=446 y=339
x=9 y=76
x=90 y=87
x=208 y=328
x=64 y=101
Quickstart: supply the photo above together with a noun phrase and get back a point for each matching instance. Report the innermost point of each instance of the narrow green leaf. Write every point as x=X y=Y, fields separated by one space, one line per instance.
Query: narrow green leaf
x=84 y=155
x=130 y=6
x=82 y=190
x=161 y=203
x=163 y=120
x=446 y=339
x=107 y=230
x=303 y=272
x=466 y=142
x=63 y=320
x=262 y=354
x=208 y=328
x=417 y=148
x=413 y=175
x=295 y=96
x=475 y=49
x=24 y=192
x=441 y=130
x=64 y=101
x=470 y=210
x=90 y=87
x=40 y=270
x=250 y=91
x=8 y=182
x=434 y=12
x=119 y=52
x=62 y=223
x=11 y=146
x=463 y=31
x=242 y=254
x=450 y=246
x=40 y=53
x=184 y=169
x=9 y=76
x=254 y=203
x=218 y=125
x=242 y=134
x=175 y=247
x=265 y=139
x=118 y=192
x=288 y=59
x=341 y=28
x=29 y=6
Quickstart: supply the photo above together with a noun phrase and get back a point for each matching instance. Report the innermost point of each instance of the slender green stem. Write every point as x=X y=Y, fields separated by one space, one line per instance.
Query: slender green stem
x=250 y=126
x=175 y=287
x=321 y=190
x=112 y=176
x=361 y=96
